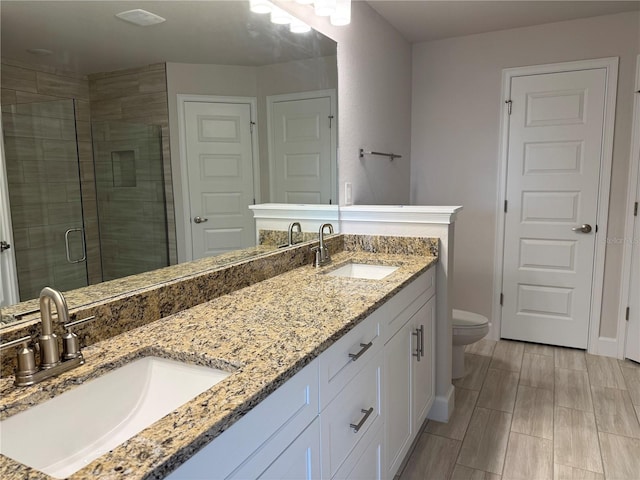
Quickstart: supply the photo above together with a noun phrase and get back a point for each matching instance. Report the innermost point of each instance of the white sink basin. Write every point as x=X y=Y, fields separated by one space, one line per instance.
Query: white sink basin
x=62 y=435
x=363 y=270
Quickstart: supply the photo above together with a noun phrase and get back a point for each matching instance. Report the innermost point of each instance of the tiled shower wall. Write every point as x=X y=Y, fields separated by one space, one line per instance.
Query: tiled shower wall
x=134 y=95
x=22 y=84
x=138 y=95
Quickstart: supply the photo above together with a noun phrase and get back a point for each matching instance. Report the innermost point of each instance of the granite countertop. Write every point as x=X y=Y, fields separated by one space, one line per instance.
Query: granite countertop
x=264 y=334
x=125 y=286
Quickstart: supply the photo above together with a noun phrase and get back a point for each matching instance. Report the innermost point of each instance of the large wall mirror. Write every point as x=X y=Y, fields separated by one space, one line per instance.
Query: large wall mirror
x=130 y=148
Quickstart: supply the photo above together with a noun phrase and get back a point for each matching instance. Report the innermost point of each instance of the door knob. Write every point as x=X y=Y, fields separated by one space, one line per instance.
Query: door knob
x=4 y=246
x=586 y=228
x=200 y=220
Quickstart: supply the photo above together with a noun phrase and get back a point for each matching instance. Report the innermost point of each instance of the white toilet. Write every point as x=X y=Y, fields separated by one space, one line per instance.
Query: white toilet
x=467 y=328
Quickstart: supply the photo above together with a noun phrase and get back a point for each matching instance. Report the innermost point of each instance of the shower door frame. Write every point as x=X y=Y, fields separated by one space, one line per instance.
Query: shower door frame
x=8 y=271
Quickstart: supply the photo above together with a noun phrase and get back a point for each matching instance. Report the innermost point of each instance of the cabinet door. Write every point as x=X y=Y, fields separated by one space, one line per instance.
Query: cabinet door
x=397 y=374
x=423 y=371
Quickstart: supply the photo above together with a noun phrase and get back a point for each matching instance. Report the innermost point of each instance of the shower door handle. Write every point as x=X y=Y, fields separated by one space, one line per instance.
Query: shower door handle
x=68 y=249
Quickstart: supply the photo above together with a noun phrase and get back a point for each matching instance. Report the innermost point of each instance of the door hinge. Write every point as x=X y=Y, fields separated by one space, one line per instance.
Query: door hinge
x=509 y=104
x=254 y=201
x=635 y=209
x=505 y=206
x=626 y=315
x=330 y=119
x=596 y=228
x=251 y=125
x=502 y=299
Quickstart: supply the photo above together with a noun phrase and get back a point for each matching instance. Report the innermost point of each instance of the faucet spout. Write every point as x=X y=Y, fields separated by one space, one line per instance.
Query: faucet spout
x=322 y=252
x=49 y=350
x=290 y=233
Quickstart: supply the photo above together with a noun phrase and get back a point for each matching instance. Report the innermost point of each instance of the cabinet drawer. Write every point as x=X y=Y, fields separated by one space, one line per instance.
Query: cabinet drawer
x=270 y=427
x=345 y=358
x=366 y=460
x=357 y=407
x=299 y=461
x=400 y=308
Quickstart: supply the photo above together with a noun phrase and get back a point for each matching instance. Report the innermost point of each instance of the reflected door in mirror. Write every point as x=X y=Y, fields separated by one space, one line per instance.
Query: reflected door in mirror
x=301 y=149
x=220 y=173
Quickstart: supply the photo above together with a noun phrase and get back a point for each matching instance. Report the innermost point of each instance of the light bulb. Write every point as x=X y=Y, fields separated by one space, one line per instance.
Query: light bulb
x=342 y=15
x=324 y=8
x=298 y=26
x=260 y=6
x=280 y=17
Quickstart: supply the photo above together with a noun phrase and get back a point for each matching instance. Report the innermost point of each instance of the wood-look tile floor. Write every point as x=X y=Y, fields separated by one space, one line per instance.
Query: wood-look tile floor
x=535 y=412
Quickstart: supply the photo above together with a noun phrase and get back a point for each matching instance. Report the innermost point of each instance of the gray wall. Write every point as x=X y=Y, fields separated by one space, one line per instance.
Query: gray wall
x=455 y=135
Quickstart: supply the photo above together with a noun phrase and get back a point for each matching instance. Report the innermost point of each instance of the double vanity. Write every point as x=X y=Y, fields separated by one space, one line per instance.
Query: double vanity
x=299 y=372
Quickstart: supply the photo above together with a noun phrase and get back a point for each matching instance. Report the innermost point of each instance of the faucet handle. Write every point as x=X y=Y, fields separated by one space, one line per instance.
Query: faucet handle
x=25 y=356
x=16 y=343
x=70 y=342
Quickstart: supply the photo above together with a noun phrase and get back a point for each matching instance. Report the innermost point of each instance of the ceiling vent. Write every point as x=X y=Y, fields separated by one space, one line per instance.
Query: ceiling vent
x=140 y=17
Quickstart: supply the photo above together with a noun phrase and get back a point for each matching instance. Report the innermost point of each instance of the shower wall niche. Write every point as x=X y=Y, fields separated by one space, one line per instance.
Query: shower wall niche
x=131 y=198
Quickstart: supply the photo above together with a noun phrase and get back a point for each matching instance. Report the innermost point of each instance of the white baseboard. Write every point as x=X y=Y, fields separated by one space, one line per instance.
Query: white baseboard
x=443 y=405
x=607 y=347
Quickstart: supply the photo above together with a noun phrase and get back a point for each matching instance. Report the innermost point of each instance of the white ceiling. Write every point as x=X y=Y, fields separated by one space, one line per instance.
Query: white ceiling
x=427 y=20
x=86 y=37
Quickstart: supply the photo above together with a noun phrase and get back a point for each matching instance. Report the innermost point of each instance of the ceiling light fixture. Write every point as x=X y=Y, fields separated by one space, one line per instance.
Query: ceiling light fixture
x=339 y=12
x=280 y=17
x=140 y=17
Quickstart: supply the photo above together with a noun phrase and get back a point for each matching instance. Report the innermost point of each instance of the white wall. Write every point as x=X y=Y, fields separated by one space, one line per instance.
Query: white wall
x=374 y=102
x=455 y=130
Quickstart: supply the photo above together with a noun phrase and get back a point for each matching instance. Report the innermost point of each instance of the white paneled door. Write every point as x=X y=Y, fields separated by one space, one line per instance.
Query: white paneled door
x=555 y=146
x=633 y=331
x=302 y=150
x=220 y=170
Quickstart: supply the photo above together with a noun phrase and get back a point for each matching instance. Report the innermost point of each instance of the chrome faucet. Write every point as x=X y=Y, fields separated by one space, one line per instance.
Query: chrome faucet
x=51 y=362
x=321 y=251
x=290 y=233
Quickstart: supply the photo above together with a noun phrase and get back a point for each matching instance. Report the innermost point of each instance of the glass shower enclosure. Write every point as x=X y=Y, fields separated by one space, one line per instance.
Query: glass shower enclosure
x=45 y=195
x=80 y=217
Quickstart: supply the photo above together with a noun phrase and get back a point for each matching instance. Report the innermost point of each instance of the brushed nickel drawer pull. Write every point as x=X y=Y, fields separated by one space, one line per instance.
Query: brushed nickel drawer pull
x=417 y=335
x=361 y=422
x=365 y=347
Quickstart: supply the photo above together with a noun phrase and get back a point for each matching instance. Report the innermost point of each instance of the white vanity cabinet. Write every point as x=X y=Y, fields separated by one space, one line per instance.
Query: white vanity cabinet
x=268 y=437
x=408 y=369
x=351 y=414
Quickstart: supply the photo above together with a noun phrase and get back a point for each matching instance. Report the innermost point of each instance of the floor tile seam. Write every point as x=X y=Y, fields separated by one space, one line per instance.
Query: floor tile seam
x=595 y=421
x=464 y=436
x=552 y=390
x=504 y=460
x=615 y=433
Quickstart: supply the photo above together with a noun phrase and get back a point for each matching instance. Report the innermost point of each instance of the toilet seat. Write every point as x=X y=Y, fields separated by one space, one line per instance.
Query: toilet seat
x=463 y=320
x=467 y=328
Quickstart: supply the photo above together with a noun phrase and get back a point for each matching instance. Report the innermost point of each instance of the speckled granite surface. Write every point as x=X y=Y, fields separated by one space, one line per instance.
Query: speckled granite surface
x=194 y=285
x=263 y=333
x=278 y=238
x=127 y=285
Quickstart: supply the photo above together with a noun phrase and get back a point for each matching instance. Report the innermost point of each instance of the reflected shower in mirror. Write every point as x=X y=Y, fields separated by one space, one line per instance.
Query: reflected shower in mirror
x=100 y=177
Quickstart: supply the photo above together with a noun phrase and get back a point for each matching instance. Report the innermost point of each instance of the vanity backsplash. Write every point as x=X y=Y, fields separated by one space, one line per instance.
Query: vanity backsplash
x=116 y=315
